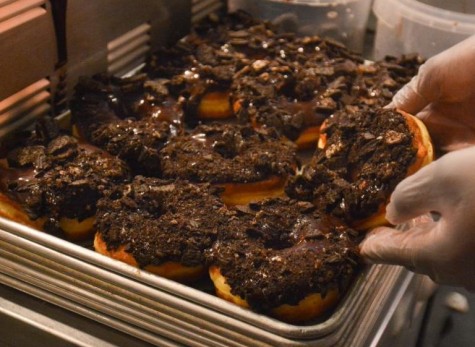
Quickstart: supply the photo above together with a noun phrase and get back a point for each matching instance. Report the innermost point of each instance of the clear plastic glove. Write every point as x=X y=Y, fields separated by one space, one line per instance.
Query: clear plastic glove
x=443 y=96
x=443 y=249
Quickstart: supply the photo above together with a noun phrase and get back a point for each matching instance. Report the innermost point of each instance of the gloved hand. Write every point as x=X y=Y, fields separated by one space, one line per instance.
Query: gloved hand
x=443 y=249
x=443 y=96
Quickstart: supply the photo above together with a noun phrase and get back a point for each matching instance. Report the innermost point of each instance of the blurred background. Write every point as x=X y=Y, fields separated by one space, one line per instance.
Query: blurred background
x=373 y=27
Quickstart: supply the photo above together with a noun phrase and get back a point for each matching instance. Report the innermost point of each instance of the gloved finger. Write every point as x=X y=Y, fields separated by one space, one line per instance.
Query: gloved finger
x=407 y=248
x=416 y=195
x=454 y=132
x=409 y=98
x=453 y=70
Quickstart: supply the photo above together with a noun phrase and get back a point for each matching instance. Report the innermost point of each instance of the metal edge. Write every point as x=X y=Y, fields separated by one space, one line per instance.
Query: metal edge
x=29 y=321
x=87 y=312
x=148 y=315
x=372 y=318
x=390 y=308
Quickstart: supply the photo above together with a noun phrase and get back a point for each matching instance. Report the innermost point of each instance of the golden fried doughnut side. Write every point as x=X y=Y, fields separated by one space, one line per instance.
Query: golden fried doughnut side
x=312 y=306
x=215 y=105
x=170 y=270
x=244 y=193
x=9 y=209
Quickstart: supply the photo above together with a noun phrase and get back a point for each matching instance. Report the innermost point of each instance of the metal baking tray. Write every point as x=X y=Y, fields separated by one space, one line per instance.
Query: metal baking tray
x=150 y=307
x=143 y=305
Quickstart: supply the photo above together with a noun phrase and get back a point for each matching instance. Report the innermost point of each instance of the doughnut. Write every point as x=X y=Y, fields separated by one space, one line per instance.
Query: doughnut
x=206 y=101
x=161 y=226
x=200 y=76
x=55 y=182
x=10 y=209
x=284 y=258
x=294 y=94
x=131 y=118
x=361 y=158
x=297 y=120
x=249 y=165
x=375 y=83
x=203 y=66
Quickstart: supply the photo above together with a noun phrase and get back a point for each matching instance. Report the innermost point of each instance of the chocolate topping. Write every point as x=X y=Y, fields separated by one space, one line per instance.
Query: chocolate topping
x=161 y=221
x=61 y=179
x=367 y=153
x=227 y=154
x=131 y=118
x=292 y=96
x=137 y=97
x=135 y=141
x=280 y=250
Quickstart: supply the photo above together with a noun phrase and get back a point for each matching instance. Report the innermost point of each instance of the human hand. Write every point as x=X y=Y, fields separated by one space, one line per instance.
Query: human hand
x=443 y=249
x=443 y=96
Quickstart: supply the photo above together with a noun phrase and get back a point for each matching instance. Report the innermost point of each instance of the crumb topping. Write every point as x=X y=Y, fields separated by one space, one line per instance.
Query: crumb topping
x=162 y=220
x=367 y=153
x=279 y=251
x=227 y=153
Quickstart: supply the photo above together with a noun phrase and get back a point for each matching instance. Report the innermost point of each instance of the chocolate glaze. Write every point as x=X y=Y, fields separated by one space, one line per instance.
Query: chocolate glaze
x=225 y=153
x=366 y=155
x=63 y=178
x=161 y=220
x=202 y=68
x=133 y=97
x=138 y=142
x=279 y=251
x=131 y=118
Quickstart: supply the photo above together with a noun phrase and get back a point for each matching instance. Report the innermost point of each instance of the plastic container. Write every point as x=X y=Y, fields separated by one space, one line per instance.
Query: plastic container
x=341 y=20
x=426 y=27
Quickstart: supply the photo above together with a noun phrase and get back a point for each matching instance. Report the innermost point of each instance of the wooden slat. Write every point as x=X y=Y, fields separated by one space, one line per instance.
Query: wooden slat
x=24 y=107
x=16 y=8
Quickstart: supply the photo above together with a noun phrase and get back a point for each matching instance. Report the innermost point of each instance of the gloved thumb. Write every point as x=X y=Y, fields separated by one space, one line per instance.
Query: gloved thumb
x=445 y=186
x=408 y=248
x=415 y=195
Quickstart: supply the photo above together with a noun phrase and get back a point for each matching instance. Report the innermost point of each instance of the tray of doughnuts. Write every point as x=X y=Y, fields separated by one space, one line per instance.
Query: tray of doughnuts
x=218 y=195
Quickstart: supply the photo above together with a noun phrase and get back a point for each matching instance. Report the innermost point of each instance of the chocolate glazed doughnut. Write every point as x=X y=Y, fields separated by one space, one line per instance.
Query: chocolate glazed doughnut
x=130 y=117
x=201 y=67
x=56 y=181
x=361 y=158
x=162 y=226
x=200 y=75
x=284 y=258
x=250 y=165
